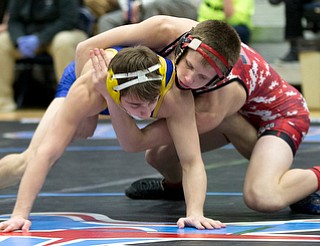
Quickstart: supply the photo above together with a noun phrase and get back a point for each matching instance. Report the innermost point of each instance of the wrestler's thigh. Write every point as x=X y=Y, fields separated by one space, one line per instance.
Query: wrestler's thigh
x=167 y=153
x=271 y=158
x=212 y=140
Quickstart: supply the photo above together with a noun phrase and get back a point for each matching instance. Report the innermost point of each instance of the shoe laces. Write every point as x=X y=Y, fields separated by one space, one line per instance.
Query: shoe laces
x=152 y=184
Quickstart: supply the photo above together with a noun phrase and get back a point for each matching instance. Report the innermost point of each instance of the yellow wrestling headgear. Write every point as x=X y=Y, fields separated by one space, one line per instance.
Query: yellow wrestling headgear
x=139 y=76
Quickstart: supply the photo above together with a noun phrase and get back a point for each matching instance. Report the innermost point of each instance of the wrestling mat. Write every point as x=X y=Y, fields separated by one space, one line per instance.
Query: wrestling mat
x=82 y=201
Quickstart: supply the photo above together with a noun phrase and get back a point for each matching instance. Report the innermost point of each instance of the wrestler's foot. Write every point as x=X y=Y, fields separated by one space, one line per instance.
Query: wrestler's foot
x=153 y=188
x=308 y=205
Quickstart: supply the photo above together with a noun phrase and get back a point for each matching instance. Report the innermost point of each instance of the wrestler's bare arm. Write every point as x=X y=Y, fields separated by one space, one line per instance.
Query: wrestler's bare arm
x=183 y=130
x=214 y=107
x=178 y=110
x=161 y=30
x=79 y=104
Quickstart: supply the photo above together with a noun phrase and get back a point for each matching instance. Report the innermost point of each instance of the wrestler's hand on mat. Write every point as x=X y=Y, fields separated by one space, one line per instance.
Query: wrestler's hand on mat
x=15 y=223
x=200 y=223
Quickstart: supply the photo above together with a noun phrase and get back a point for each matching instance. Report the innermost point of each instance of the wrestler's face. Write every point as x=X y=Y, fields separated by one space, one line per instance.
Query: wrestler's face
x=192 y=73
x=136 y=107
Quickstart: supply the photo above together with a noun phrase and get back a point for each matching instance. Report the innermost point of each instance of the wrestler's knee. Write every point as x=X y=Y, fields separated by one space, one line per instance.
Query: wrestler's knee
x=151 y=156
x=163 y=157
x=12 y=168
x=16 y=161
x=262 y=199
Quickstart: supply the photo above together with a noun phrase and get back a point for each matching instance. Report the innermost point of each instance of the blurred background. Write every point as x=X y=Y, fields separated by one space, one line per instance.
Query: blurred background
x=262 y=24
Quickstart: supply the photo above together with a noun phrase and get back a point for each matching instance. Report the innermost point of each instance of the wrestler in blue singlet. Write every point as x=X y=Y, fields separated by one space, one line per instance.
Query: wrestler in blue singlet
x=69 y=77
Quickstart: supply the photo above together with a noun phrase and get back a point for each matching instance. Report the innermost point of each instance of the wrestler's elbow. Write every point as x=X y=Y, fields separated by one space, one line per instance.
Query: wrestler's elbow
x=81 y=46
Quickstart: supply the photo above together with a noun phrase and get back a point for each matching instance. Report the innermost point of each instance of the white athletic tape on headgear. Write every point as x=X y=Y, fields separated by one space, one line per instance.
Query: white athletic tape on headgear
x=141 y=77
x=195 y=44
x=198 y=46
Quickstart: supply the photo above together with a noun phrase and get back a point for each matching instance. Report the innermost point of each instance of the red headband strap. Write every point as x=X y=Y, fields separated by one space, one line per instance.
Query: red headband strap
x=197 y=44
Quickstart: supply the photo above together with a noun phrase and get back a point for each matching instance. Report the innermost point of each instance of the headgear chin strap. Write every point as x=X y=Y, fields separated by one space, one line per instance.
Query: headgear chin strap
x=114 y=88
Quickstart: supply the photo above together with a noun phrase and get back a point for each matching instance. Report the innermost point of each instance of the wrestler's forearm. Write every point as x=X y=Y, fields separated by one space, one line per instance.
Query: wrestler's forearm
x=161 y=30
x=31 y=183
x=195 y=187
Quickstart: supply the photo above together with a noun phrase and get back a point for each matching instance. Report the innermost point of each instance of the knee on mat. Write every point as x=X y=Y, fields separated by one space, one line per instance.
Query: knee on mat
x=151 y=157
x=262 y=201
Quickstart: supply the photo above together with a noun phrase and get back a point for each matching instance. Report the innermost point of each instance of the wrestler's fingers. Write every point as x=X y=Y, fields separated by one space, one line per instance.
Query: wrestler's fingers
x=212 y=224
x=200 y=223
x=26 y=226
x=94 y=60
x=102 y=59
x=105 y=57
x=184 y=222
x=7 y=227
x=3 y=225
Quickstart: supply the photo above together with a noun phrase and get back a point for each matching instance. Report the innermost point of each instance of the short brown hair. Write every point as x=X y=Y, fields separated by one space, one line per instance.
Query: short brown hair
x=221 y=37
x=132 y=59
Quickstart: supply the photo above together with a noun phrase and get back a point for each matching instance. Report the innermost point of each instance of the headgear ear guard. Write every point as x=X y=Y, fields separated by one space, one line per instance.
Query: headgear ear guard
x=188 y=41
x=114 y=88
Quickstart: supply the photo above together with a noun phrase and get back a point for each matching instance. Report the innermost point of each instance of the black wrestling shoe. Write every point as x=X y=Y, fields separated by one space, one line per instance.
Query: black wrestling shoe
x=153 y=189
x=308 y=205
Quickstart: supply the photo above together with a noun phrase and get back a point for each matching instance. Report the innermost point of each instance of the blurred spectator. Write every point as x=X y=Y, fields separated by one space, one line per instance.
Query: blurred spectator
x=35 y=27
x=100 y=7
x=138 y=10
x=293 y=26
x=3 y=15
x=237 y=13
